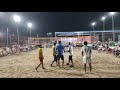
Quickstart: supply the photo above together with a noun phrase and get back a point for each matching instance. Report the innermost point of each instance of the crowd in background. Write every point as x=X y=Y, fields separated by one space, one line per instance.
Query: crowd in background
x=108 y=47
x=15 y=49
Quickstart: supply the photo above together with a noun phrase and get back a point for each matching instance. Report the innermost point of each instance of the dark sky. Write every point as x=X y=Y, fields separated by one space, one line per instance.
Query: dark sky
x=44 y=22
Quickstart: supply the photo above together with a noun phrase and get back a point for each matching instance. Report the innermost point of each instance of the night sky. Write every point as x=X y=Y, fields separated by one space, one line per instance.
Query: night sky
x=44 y=22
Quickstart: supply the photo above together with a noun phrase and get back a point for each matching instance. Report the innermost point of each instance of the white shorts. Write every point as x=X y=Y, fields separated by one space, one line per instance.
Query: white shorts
x=86 y=60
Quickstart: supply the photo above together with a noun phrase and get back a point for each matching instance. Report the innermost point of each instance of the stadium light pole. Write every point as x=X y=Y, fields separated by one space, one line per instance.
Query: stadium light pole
x=103 y=19
x=93 y=24
x=10 y=39
x=29 y=42
x=7 y=37
x=78 y=36
x=2 y=14
x=50 y=36
x=17 y=20
x=30 y=26
x=112 y=14
x=37 y=35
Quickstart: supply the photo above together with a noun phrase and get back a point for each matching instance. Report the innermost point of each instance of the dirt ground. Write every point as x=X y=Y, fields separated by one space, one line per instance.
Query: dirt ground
x=23 y=66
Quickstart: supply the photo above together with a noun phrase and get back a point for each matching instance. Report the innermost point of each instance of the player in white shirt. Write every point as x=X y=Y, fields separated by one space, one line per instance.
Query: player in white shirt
x=70 y=50
x=86 y=54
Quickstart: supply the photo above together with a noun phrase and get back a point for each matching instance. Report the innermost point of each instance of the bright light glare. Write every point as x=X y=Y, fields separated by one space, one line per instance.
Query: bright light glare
x=2 y=13
x=112 y=13
x=30 y=25
x=93 y=24
x=50 y=33
x=103 y=18
x=16 y=18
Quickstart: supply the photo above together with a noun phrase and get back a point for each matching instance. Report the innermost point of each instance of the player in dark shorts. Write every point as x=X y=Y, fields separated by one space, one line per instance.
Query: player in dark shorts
x=60 y=49
x=54 y=53
x=70 y=50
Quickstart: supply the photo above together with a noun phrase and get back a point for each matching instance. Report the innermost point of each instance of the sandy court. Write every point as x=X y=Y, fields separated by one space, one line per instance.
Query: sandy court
x=23 y=66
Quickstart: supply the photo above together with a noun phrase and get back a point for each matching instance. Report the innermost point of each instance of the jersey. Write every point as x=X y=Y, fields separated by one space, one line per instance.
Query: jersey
x=70 y=49
x=54 y=50
x=60 y=49
x=87 y=51
x=39 y=52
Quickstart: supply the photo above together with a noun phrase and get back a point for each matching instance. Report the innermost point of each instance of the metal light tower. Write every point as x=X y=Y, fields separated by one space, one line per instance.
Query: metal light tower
x=103 y=19
x=112 y=14
x=17 y=20
x=7 y=37
x=30 y=26
x=93 y=24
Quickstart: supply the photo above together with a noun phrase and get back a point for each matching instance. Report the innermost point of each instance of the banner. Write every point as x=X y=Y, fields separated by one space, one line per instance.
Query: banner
x=75 y=39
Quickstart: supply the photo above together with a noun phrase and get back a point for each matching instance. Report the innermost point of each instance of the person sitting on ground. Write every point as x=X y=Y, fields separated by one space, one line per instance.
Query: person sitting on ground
x=1 y=52
x=100 y=48
x=116 y=50
x=107 y=48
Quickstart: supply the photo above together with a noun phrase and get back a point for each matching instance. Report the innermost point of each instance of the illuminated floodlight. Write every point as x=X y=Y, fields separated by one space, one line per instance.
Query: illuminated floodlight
x=112 y=13
x=16 y=18
x=103 y=18
x=29 y=25
x=93 y=24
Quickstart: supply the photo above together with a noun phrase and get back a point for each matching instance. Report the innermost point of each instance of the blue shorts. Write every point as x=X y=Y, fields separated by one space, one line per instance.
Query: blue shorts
x=60 y=56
